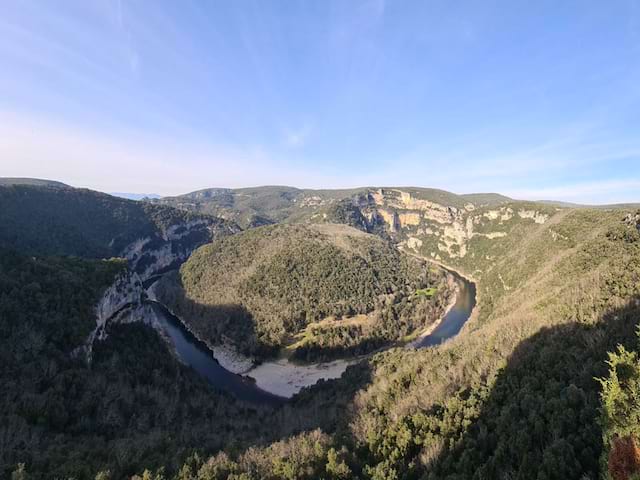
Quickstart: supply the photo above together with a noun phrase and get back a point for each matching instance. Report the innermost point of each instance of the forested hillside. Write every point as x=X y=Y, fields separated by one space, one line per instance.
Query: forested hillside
x=252 y=207
x=133 y=406
x=49 y=220
x=542 y=382
x=32 y=181
x=261 y=288
x=516 y=394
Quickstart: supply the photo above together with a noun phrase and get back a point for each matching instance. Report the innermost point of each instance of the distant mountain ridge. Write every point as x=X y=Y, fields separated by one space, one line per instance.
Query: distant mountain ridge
x=256 y=206
x=44 y=219
x=135 y=196
x=512 y=395
x=32 y=181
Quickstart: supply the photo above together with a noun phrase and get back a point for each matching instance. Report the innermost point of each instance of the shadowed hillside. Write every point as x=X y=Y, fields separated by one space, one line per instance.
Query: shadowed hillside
x=514 y=395
x=67 y=221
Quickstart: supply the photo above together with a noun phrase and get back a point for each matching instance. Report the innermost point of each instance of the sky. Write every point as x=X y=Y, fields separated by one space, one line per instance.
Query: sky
x=535 y=100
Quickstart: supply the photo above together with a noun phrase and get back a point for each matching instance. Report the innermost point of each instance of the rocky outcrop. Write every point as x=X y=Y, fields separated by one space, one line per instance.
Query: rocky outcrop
x=633 y=220
x=126 y=292
x=125 y=300
x=122 y=302
x=409 y=219
x=502 y=214
x=390 y=217
x=413 y=221
x=533 y=215
x=414 y=243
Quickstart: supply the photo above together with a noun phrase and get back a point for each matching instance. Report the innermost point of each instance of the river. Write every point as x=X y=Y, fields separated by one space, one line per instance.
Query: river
x=287 y=378
x=196 y=354
x=457 y=315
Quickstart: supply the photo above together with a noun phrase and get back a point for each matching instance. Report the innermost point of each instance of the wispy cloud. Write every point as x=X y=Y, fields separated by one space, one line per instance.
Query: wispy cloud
x=479 y=162
x=298 y=137
x=131 y=54
x=602 y=192
x=40 y=147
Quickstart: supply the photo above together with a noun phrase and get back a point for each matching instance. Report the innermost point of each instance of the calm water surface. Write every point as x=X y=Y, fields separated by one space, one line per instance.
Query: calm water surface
x=196 y=353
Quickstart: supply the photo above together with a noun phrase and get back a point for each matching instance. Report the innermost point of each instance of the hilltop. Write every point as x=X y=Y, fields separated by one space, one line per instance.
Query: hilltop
x=39 y=219
x=321 y=290
x=38 y=182
x=257 y=206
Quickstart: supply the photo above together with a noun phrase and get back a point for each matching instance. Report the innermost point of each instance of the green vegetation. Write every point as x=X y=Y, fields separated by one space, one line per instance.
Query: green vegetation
x=515 y=395
x=32 y=181
x=259 y=288
x=61 y=417
x=427 y=292
x=251 y=207
x=68 y=221
x=542 y=383
x=134 y=406
x=620 y=417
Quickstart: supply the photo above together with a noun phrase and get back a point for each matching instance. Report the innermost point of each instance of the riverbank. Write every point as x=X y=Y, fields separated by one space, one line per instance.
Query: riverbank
x=222 y=365
x=415 y=343
x=284 y=378
x=470 y=279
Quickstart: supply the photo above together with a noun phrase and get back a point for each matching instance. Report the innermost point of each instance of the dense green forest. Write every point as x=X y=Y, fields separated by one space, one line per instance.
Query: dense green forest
x=542 y=383
x=134 y=405
x=259 y=288
x=50 y=220
x=515 y=398
x=64 y=418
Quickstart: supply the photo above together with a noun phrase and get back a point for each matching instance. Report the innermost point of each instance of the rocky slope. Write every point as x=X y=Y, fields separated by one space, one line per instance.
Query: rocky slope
x=434 y=223
x=43 y=218
x=257 y=206
x=147 y=258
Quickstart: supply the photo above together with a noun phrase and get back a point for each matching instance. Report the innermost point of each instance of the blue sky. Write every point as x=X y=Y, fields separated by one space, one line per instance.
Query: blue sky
x=530 y=99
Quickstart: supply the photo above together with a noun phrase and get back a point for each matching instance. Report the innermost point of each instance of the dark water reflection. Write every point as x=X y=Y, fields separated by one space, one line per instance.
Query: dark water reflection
x=196 y=354
x=456 y=317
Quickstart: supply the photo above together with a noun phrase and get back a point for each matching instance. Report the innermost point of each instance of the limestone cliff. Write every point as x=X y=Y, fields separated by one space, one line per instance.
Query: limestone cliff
x=438 y=230
x=125 y=300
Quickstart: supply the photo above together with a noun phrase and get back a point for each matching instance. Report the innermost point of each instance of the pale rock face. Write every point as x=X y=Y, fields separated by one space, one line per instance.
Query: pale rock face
x=409 y=219
x=378 y=197
x=504 y=214
x=454 y=239
x=390 y=218
x=401 y=211
x=633 y=219
x=414 y=243
x=124 y=300
x=126 y=290
x=402 y=200
x=492 y=214
x=313 y=201
x=493 y=235
x=411 y=203
x=469 y=226
x=534 y=215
